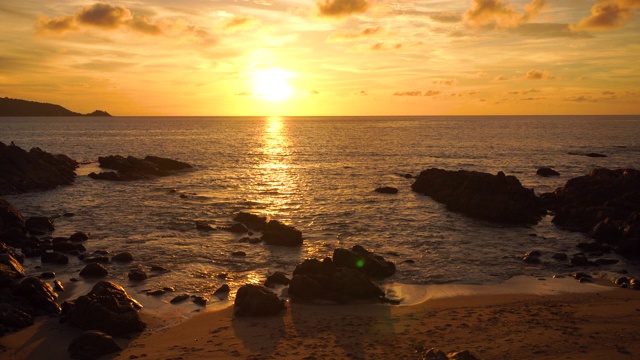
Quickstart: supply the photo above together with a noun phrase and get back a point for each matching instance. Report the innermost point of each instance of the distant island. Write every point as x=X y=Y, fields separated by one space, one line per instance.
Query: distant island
x=17 y=107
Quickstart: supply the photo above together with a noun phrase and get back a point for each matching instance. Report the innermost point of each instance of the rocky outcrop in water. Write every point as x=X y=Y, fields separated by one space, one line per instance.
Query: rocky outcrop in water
x=35 y=170
x=605 y=203
x=497 y=198
x=132 y=168
x=18 y=107
x=107 y=308
x=367 y=262
x=277 y=233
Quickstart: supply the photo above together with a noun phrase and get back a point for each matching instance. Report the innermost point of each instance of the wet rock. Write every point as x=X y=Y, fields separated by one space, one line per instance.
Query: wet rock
x=222 y=290
x=7 y=275
x=591 y=247
x=251 y=221
x=123 y=257
x=179 y=298
x=235 y=228
x=533 y=253
x=277 y=278
x=94 y=269
x=528 y=259
x=57 y=286
x=434 y=354
x=255 y=240
x=39 y=295
x=546 y=172
x=96 y=259
x=386 y=190
x=238 y=253
x=157 y=292
x=581 y=275
x=622 y=281
x=10 y=218
x=634 y=284
x=595 y=155
x=47 y=275
x=39 y=225
x=276 y=233
x=36 y=170
x=54 y=258
x=79 y=237
x=9 y=260
x=137 y=275
x=200 y=300
x=107 y=308
x=13 y=319
x=132 y=168
x=363 y=260
x=91 y=345
x=306 y=288
x=605 y=261
x=204 y=226
x=254 y=300
x=560 y=256
x=68 y=247
x=497 y=198
x=461 y=355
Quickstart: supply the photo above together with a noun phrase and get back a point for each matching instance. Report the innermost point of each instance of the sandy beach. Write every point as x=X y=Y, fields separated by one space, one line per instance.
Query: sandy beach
x=546 y=322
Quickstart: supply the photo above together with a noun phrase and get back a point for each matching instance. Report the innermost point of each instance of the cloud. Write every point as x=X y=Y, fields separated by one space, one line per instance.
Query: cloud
x=608 y=14
x=110 y=18
x=432 y=93
x=240 y=22
x=538 y=75
x=244 y=93
x=408 y=93
x=444 y=82
x=446 y=18
x=500 y=78
x=342 y=8
x=355 y=35
x=501 y=14
x=550 y=30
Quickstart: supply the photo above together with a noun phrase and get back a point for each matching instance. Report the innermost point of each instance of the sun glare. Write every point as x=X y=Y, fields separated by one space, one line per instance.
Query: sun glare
x=273 y=84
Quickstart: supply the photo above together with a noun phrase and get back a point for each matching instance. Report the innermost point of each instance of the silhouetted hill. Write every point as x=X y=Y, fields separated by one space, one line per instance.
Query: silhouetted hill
x=17 y=107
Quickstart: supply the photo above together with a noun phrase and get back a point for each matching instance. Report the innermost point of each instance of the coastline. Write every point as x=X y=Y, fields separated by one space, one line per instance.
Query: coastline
x=521 y=318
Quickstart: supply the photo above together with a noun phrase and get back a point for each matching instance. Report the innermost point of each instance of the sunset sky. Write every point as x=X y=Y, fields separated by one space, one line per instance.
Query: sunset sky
x=325 y=57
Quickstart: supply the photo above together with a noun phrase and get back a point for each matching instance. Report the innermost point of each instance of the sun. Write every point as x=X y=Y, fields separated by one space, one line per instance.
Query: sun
x=273 y=84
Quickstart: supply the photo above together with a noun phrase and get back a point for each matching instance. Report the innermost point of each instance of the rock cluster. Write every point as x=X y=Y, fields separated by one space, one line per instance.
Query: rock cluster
x=256 y=300
x=35 y=170
x=498 y=198
x=132 y=168
x=606 y=204
x=273 y=231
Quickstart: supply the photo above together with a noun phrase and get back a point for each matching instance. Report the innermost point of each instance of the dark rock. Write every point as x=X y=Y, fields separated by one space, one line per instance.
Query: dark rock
x=132 y=168
x=434 y=354
x=179 y=298
x=137 y=275
x=92 y=345
x=254 y=300
x=36 y=170
x=222 y=290
x=461 y=355
x=498 y=198
x=606 y=261
x=200 y=300
x=546 y=172
x=39 y=295
x=276 y=278
x=306 y=288
x=68 y=247
x=622 y=280
x=581 y=275
x=579 y=260
x=156 y=292
x=238 y=253
x=94 y=269
x=159 y=268
x=596 y=155
x=39 y=225
x=359 y=258
x=559 y=256
x=590 y=246
x=276 y=233
x=386 y=190
x=204 y=226
x=235 y=228
x=255 y=240
x=96 y=259
x=78 y=237
x=528 y=259
x=54 y=258
x=123 y=257
x=533 y=253
x=251 y=221
x=7 y=275
x=13 y=319
x=106 y=308
x=11 y=220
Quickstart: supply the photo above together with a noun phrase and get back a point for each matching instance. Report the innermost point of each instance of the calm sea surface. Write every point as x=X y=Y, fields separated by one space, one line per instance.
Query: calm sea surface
x=317 y=174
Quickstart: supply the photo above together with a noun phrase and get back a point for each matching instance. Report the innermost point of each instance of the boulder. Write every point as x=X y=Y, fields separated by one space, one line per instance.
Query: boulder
x=222 y=290
x=235 y=228
x=251 y=221
x=546 y=172
x=54 y=258
x=276 y=233
x=132 y=168
x=137 y=275
x=179 y=298
x=255 y=300
x=306 y=287
x=123 y=257
x=9 y=260
x=7 y=275
x=79 y=236
x=10 y=218
x=386 y=190
x=38 y=295
x=497 y=198
x=39 y=225
x=36 y=170
x=277 y=278
x=107 y=308
x=94 y=269
x=91 y=345
x=13 y=319
x=204 y=226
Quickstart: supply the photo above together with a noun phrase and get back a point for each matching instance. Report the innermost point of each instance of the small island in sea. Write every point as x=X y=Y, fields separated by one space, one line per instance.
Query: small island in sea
x=17 y=107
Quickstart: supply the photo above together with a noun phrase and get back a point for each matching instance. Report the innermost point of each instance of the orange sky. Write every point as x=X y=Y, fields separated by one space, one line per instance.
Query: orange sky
x=331 y=57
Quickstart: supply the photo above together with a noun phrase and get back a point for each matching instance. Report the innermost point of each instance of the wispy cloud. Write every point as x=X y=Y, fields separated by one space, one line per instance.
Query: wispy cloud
x=538 y=75
x=608 y=14
x=501 y=14
x=240 y=22
x=355 y=35
x=342 y=8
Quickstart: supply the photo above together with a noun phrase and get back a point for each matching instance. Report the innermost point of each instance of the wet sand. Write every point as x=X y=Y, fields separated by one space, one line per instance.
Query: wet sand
x=553 y=320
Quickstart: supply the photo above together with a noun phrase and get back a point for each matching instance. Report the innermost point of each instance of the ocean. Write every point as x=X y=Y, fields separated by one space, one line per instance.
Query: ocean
x=317 y=174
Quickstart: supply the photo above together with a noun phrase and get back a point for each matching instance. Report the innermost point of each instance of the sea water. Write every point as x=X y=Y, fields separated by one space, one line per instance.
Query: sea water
x=317 y=174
